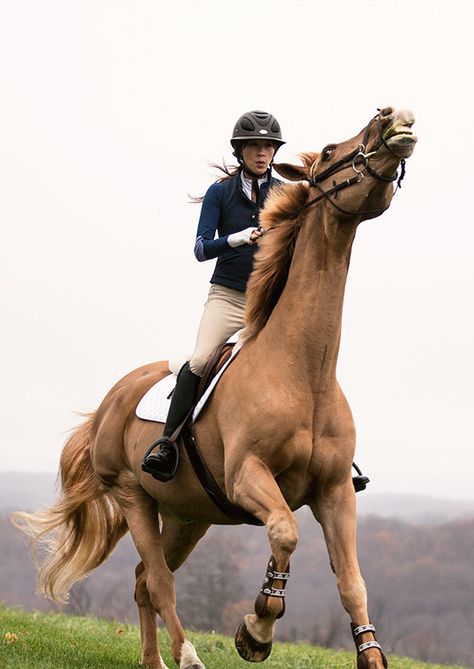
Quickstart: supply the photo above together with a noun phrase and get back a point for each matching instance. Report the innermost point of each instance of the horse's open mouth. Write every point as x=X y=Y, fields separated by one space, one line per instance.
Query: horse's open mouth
x=402 y=139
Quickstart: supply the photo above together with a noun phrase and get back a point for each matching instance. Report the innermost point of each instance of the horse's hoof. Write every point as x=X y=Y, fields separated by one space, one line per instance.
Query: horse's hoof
x=249 y=648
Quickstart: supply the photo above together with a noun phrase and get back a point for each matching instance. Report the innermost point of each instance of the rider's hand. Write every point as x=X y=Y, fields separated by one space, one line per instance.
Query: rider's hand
x=247 y=236
x=255 y=235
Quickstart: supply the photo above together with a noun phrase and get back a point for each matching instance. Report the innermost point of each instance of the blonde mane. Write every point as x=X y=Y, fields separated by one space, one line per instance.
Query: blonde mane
x=272 y=260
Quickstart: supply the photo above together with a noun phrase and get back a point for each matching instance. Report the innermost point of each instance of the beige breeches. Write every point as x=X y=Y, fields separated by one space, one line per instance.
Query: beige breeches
x=223 y=316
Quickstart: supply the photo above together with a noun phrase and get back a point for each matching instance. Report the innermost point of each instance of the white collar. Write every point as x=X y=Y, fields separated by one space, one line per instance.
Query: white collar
x=247 y=183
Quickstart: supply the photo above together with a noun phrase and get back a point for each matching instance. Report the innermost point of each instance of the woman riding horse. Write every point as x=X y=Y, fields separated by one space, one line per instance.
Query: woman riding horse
x=277 y=433
x=230 y=208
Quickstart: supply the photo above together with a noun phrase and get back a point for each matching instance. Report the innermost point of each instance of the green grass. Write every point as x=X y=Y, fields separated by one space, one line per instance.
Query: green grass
x=58 y=641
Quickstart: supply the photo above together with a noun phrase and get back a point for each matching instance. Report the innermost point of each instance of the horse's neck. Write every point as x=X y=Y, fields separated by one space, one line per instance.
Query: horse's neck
x=305 y=326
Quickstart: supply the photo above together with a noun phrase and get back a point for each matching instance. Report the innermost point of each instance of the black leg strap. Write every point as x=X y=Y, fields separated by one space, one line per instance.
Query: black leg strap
x=357 y=631
x=367 y=645
x=268 y=590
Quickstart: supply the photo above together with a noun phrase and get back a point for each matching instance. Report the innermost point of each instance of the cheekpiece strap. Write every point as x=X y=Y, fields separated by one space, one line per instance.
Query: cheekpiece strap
x=362 y=629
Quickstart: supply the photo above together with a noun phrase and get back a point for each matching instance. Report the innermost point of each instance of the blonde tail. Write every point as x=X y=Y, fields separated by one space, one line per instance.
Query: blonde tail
x=81 y=529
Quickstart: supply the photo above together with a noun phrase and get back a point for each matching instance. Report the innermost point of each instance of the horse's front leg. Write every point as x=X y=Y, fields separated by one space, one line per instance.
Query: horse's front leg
x=255 y=489
x=336 y=511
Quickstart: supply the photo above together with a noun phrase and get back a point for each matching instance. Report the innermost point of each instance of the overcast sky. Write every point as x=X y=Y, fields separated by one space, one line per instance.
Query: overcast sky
x=111 y=111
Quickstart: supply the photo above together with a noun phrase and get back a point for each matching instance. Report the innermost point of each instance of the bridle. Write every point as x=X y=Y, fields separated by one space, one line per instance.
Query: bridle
x=359 y=160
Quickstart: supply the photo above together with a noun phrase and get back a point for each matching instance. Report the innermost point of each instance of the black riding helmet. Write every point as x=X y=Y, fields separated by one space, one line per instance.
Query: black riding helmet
x=255 y=125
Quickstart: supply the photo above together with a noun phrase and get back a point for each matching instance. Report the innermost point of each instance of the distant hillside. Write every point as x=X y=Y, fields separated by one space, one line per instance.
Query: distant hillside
x=29 y=491
x=416 y=509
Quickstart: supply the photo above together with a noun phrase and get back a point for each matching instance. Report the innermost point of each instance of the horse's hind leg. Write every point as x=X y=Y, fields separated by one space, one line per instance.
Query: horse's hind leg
x=178 y=540
x=337 y=514
x=256 y=491
x=150 y=652
x=157 y=581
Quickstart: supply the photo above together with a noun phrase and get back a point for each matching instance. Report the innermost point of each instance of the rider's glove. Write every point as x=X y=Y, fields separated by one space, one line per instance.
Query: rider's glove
x=239 y=238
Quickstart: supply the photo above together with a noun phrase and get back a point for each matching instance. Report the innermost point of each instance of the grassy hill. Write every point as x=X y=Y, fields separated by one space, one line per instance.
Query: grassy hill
x=58 y=641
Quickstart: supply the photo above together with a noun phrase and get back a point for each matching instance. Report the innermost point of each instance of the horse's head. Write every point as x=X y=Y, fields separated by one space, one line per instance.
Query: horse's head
x=356 y=177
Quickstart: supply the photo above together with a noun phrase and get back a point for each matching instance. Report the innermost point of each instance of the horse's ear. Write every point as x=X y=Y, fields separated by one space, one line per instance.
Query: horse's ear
x=297 y=172
x=291 y=172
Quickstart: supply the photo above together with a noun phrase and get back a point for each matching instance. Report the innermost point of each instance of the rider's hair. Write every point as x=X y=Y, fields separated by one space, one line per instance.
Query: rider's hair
x=228 y=171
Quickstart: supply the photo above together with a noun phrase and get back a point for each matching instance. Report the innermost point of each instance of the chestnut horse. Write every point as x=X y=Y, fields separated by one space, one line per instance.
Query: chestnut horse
x=277 y=432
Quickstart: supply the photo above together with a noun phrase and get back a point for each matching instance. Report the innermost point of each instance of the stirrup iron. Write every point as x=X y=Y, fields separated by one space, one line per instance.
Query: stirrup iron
x=150 y=466
x=360 y=481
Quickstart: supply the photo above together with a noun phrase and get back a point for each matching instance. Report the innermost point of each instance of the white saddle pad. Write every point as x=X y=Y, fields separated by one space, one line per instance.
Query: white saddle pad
x=155 y=404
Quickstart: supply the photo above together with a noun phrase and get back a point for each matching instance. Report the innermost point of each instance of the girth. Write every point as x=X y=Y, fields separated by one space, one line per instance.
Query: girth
x=210 y=485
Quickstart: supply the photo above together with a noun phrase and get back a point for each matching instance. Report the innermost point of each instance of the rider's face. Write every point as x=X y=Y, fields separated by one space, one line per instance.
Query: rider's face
x=257 y=155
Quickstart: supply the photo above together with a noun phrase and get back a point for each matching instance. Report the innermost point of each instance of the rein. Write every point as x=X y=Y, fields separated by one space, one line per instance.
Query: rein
x=353 y=158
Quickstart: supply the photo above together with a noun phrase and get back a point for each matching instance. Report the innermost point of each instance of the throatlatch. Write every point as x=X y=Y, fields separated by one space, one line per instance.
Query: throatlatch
x=358 y=630
x=268 y=590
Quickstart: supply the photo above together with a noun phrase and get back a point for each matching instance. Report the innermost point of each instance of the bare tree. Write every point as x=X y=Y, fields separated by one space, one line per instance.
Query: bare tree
x=79 y=600
x=209 y=581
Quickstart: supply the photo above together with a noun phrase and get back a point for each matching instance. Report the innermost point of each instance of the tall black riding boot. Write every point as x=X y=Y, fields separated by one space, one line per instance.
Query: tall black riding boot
x=163 y=464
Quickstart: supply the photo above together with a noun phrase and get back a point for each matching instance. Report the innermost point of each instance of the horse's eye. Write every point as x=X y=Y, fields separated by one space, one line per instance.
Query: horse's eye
x=327 y=152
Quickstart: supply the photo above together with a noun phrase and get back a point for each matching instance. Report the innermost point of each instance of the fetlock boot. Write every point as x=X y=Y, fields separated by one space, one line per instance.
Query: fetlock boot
x=163 y=464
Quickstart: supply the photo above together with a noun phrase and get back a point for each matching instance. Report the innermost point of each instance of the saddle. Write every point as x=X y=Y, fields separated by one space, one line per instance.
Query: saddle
x=213 y=366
